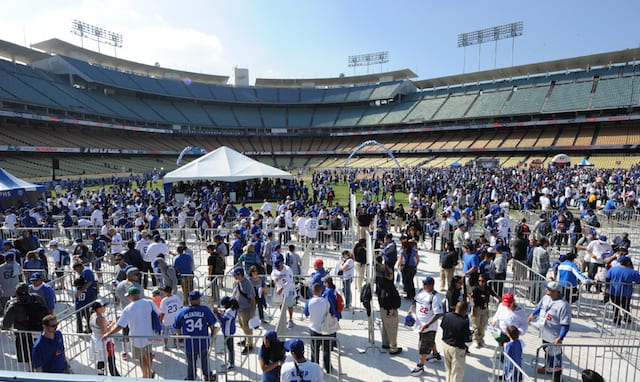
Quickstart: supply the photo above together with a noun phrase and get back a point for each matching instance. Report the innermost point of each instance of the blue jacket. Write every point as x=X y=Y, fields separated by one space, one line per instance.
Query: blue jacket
x=621 y=278
x=568 y=274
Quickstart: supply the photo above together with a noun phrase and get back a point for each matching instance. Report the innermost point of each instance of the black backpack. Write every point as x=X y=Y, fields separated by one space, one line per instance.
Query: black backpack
x=360 y=255
x=65 y=259
x=545 y=228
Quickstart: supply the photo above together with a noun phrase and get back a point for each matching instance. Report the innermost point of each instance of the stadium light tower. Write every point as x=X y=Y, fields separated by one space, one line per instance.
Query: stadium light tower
x=92 y=32
x=496 y=33
x=368 y=59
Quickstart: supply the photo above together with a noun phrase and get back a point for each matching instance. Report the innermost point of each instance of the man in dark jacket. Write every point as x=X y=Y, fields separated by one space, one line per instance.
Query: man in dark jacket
x=519 y=247
x=389 y=300
x=24 y=312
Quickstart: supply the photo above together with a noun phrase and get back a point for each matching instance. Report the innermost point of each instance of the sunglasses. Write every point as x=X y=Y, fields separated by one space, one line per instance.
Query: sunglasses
x=53 y=325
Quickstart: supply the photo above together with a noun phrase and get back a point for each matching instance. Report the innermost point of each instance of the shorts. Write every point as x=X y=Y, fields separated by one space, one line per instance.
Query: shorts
x=426 y=342
x=138 y=353
x=168 y=330
x=290 y=301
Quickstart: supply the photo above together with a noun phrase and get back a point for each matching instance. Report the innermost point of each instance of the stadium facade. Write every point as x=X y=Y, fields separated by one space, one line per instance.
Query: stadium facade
x=98 y=114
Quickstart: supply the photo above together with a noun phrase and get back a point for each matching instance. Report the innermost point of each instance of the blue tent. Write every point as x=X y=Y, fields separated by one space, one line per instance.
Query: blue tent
x=14 y=188
x=585 y=162
x=456 y=164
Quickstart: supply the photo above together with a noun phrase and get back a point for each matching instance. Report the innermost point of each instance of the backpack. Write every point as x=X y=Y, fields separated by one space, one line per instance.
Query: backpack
x=282 y=222
x=219 y=265
x=339 y=303
x=360 y=255
x=545 y=228
x=155 y=322
x=365 y=293
x=65 y=258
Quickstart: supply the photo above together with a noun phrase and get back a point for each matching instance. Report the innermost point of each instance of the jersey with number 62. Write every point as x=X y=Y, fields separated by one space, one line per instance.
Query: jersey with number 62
x=195 y=321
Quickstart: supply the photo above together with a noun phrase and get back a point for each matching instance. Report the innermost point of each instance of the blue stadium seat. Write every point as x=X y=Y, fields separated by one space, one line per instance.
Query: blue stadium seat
x=349 y=116
x=335 y=95
x=274 y=117
x=267 y=95
x=289 y=95
x=222 y=116
x=245 y=94
x=247 y=116
x=176 y=88
x=299 y=117
x=194 y=113
x=325 y=116
x=148 y=84
x=222 y=93
x=359 y=94
x=167 y=111
x=311 y=95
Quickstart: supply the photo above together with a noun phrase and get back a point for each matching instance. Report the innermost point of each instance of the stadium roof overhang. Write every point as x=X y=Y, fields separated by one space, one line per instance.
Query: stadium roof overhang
x=56 y=46
x=19 y=53
x=367 y=79
x=582 y=62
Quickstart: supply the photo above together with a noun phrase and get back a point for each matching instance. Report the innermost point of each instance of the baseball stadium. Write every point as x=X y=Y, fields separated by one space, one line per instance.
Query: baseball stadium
x=79 y=127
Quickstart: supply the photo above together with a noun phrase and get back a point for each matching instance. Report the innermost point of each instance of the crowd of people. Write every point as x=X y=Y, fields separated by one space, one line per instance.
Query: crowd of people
x=462 y=213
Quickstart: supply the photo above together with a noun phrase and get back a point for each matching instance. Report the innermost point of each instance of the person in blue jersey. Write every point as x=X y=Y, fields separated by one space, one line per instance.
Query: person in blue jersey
x=227 y=321
x=317 y=275
x=568 y=276
x=620 y=279
x=196 y=320
x=39 y=287
x=47 y=355
x=86 y=291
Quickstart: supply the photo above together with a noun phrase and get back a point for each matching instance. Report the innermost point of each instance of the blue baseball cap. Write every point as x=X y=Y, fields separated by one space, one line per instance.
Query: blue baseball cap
x=35 y=276
x=429 y=280
x=194 y=295
x=295 y=346
x=238 y=271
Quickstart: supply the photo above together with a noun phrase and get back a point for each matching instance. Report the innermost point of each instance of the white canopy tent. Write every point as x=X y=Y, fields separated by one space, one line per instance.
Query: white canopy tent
x=226 y=165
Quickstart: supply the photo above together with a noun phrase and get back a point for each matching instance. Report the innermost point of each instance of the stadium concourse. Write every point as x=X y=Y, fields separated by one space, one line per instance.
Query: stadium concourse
x=358 y=359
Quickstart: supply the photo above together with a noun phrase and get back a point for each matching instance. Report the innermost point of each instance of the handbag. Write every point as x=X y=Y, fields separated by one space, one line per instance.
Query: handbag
x=330 y=324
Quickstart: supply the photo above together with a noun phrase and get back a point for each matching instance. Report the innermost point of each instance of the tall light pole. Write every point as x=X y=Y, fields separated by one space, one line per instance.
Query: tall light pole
x=92 y=32
x=496 y=33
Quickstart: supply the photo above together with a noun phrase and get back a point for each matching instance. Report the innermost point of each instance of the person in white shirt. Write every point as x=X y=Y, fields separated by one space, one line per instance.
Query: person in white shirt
x=169 y=308
x=301 y=369
x=137 y=316
x=346 y=266
x=266 y=207
x=96 y=217
x=428 y=307
x=116 y=243
x=282 y=276
x=596 y=250
x=10 y=220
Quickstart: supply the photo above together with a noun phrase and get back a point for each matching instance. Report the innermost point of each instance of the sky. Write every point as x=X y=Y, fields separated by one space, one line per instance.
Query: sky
x=313 y=38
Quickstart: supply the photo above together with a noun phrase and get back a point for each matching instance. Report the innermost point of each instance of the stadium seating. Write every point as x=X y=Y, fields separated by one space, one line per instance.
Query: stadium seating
x=525 y=100
x=221 y=115
x=455 y=107
x=349 y=116
x=585 y=136
x=425 y=109
x=614 y=92
x=274 y=117
x=573 y=96
x=488 y=104
x=299 y=117
x=325 y=117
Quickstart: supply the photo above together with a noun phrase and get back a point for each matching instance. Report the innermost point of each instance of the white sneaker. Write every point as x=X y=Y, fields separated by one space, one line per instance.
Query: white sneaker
x=419 y=369
x=290 y=324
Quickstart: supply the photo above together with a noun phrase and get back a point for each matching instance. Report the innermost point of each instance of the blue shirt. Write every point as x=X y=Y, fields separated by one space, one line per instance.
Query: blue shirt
x=513 y=350
x=271 y=375
x=316 y=278
x=182 y=264
x=195 y=321
x=568 y=274
x=47 y=293
x=470 y=260
x=48 y=354
x=619 y=275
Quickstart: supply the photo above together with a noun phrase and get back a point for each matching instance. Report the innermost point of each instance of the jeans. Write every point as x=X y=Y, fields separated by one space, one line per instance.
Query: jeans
x=326 y=349
x=192 y=357
x=346 y=290
x=408 y=274
x=231 y=355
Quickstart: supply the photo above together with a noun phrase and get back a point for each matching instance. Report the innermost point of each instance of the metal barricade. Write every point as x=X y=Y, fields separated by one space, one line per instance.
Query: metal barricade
x=515 y=373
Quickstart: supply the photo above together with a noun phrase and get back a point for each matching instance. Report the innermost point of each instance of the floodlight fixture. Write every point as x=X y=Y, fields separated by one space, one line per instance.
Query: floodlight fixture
x=496 y=33
x=100 y=35
x=368 y=59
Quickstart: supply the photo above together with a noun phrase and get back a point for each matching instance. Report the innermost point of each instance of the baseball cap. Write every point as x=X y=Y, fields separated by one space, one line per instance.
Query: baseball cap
x=217 y=237
x=295 y=346
x=592 y=232
x=98 y=303
x=10 y=255
x=225 y=300
x=602 y=237
x=8 y=243
x=429 y=280
x=624 y=259
x=22 y=289
x=35 y=276
x=238 y=271
x=132 y=291
x=52 y=243
x=78 y=240
x=156 y=237
x=271 y=335
x=318 y=262
x=508 y=299
x=93 y=234
x=194 y=295
x=553 y=285
x=133 y=271
x=409 y=321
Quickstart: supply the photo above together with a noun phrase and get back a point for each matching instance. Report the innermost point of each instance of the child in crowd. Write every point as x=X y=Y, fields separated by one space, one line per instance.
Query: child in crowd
x=228 y=325
x=513 y=349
